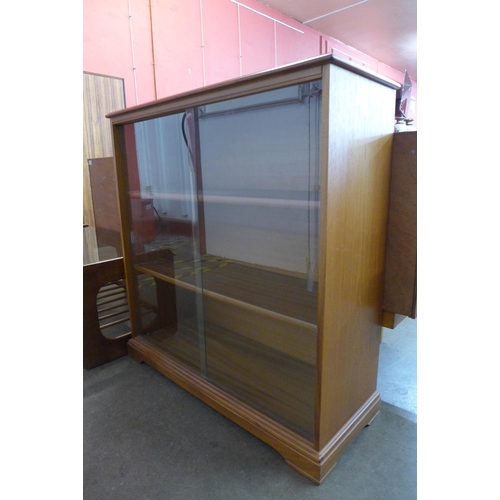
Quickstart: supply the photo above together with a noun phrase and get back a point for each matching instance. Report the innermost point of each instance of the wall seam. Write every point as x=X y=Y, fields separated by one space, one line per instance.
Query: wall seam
x=275 y=46
x=239 y=39
x=153 y=49
x=202 y=44
x=132 y=50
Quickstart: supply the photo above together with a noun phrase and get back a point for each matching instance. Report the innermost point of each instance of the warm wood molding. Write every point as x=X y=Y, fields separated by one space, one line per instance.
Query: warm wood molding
x=298 y=452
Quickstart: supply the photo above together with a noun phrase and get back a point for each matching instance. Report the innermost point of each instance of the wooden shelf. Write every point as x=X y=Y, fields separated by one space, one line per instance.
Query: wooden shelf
x=268 y=307
x=254 y=201
x=276 y=294
x=278 y=384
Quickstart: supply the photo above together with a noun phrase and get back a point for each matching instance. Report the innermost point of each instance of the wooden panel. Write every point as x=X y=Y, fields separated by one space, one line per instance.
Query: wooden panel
x=97 y=349
x=279 y=294
x=277 y=384
x=296 y=450
x=391 y=320
x=292 y=338
x=101 y=95
x=255 y=344
x=358 y=129
x=105 y=201
x=400 y=291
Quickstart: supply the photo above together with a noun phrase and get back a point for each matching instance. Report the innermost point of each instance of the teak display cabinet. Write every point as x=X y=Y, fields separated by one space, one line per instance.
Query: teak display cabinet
x=259 y=289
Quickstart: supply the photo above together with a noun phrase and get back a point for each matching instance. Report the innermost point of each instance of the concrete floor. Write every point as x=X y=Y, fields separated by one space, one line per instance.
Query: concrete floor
x=146 y=438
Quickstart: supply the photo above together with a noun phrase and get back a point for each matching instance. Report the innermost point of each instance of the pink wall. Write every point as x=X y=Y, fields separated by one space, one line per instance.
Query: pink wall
x=179 y=46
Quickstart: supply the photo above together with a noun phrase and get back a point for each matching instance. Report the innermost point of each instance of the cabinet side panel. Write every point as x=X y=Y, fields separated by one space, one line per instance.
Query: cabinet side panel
x=401 y=259
x=356 y=156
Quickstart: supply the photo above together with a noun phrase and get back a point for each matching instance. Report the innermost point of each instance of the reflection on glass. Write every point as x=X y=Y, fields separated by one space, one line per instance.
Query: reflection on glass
x=102 y=234
x=165 y=233
x=225 y=208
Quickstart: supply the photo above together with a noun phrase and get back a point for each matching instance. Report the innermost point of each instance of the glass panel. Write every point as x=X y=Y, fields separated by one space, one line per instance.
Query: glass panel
x=102 y=236
x=260 y=164
x=224 y=204
x=162 y=175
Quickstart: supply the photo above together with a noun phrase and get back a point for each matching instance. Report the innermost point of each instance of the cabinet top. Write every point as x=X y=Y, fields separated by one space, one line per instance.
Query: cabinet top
x=297 y=72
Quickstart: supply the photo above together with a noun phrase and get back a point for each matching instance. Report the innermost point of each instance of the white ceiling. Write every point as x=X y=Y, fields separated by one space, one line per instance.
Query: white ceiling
x=383 y=29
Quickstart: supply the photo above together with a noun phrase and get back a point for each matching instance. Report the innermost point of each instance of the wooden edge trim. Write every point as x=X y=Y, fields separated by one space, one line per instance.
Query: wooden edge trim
x=297 y=451
x=141 y=350
x=329 y=455
x=363 y=417
x=359 y=70
x=289 y=74
x=310 y=327
x=207 y=95
x=93 y=266
x=256 y=82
